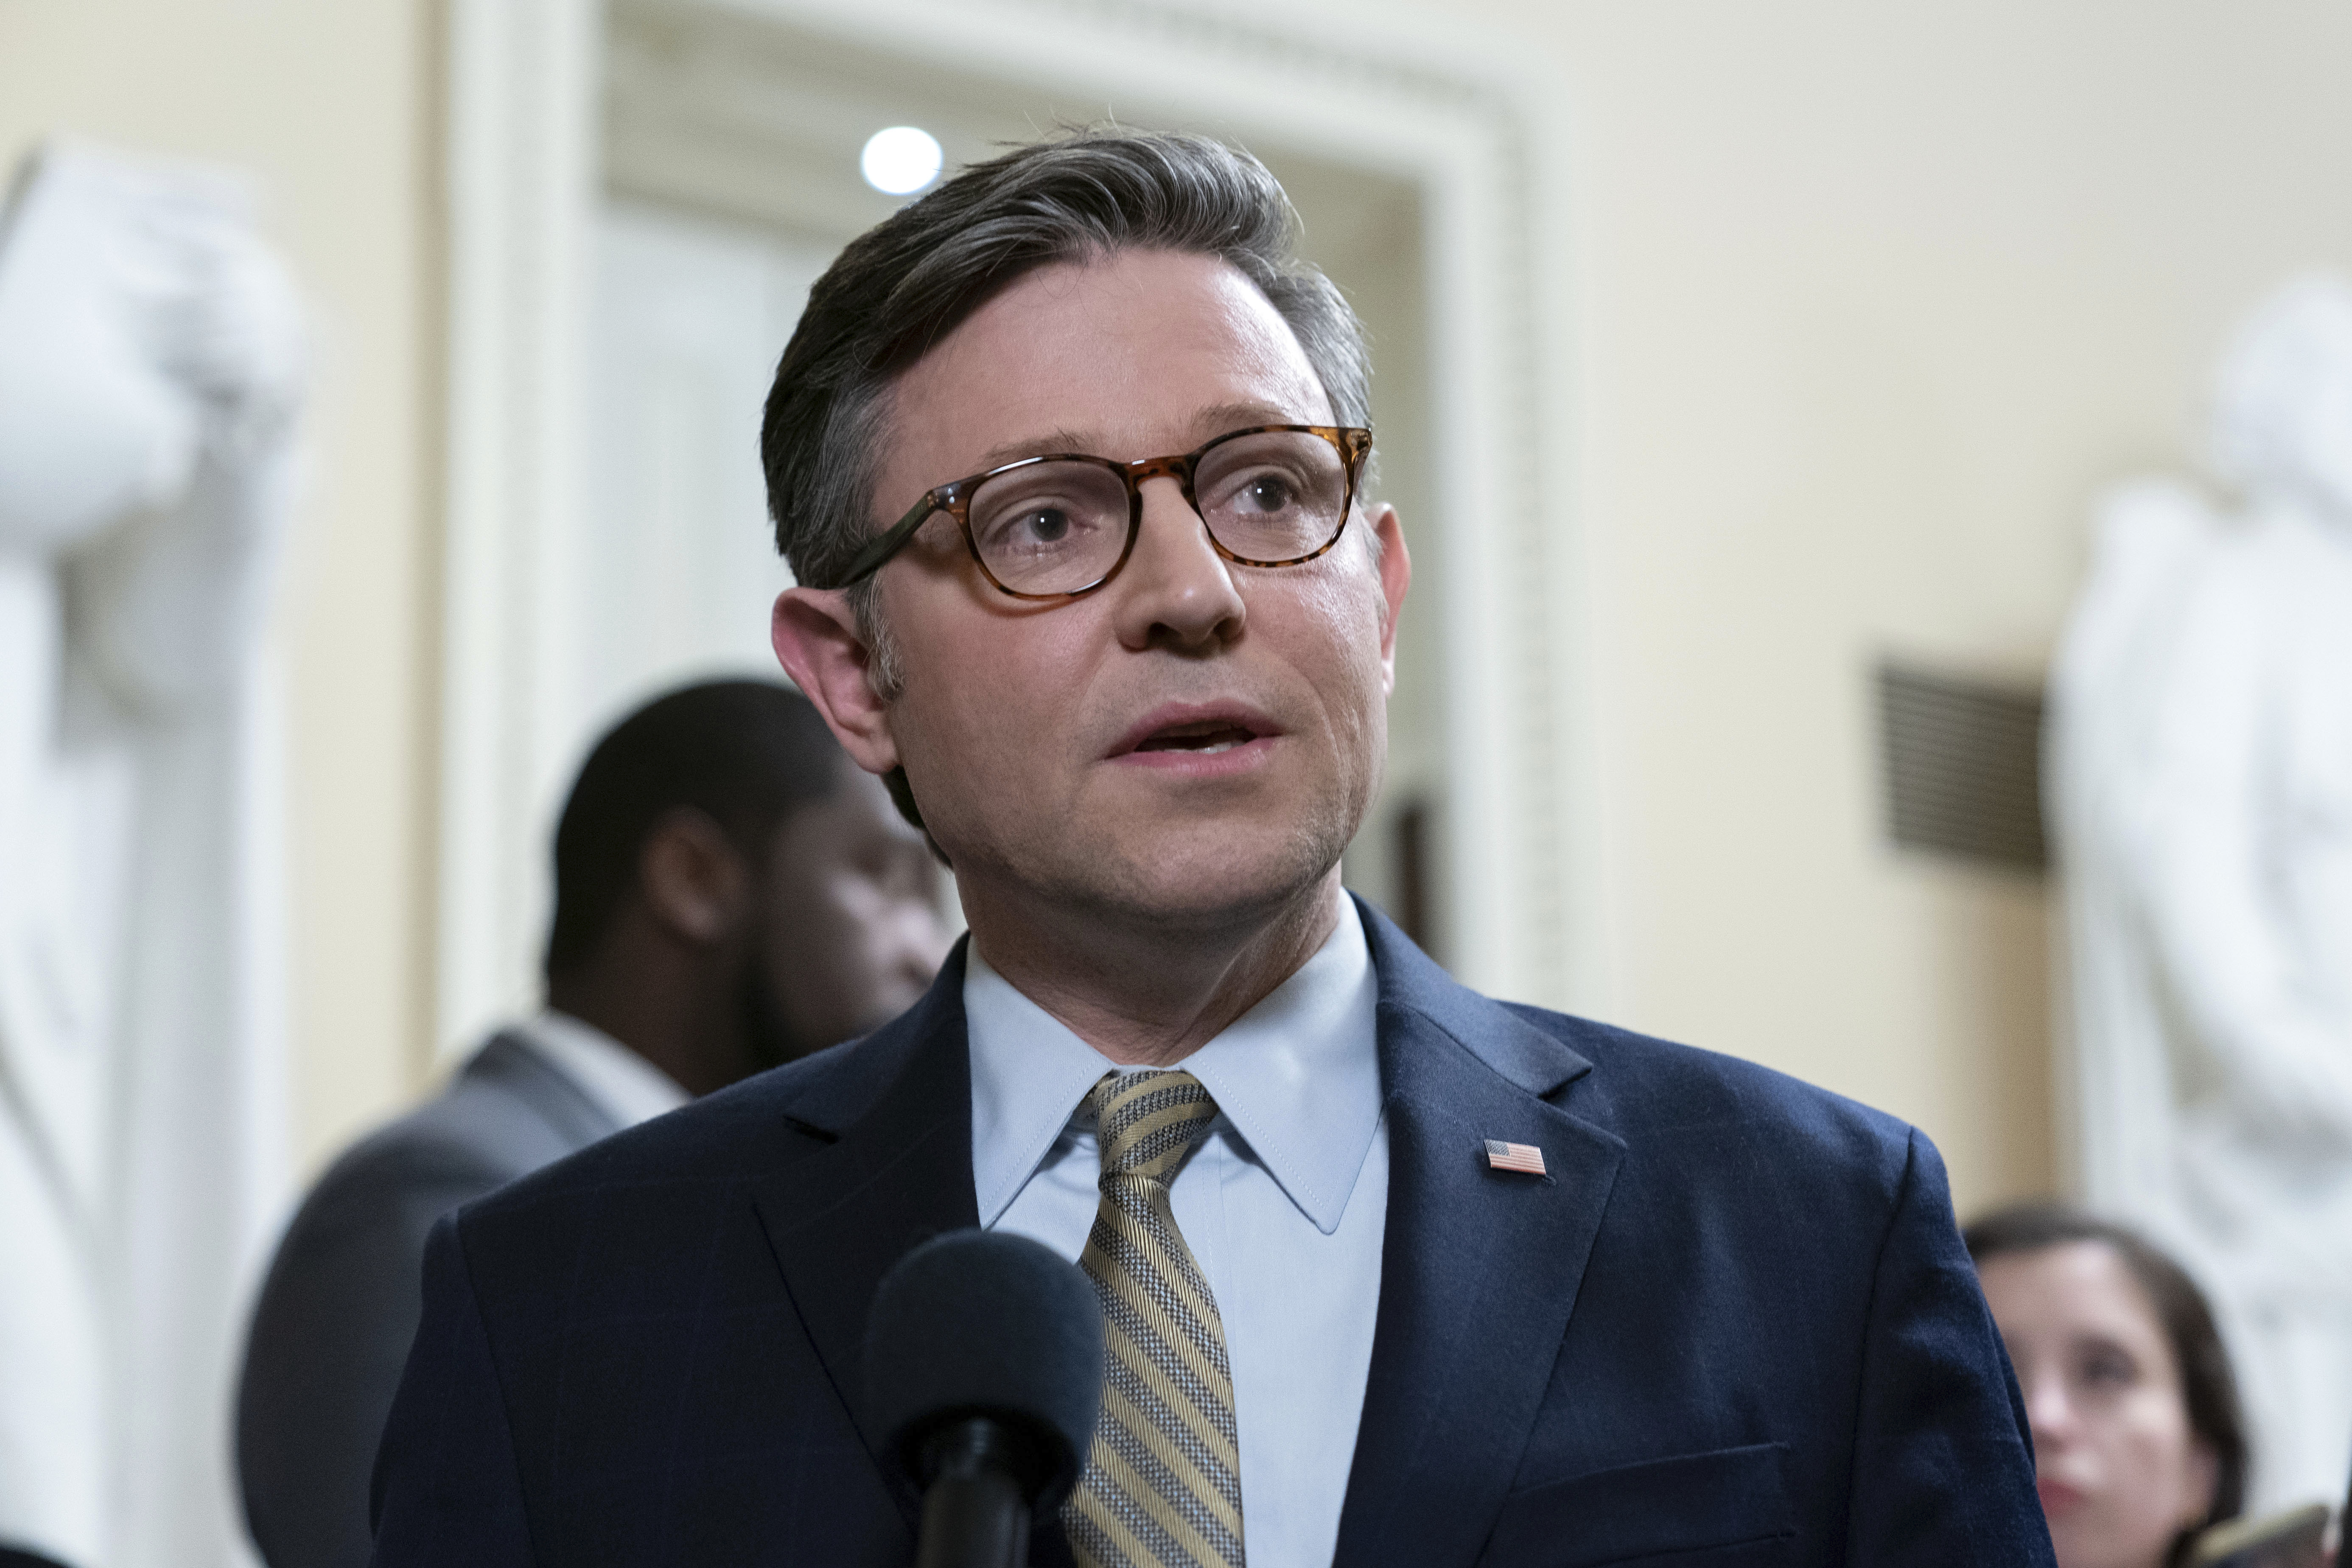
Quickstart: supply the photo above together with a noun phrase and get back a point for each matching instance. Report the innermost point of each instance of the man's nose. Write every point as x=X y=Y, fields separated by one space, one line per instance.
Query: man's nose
x=1176 y=589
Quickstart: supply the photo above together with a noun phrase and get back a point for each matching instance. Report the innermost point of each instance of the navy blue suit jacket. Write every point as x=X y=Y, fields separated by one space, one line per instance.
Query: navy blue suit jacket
x=1733 y=1324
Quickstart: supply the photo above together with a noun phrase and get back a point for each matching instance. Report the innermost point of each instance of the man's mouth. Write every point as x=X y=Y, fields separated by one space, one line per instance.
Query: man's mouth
x=1179 y=730
x=1205 y=739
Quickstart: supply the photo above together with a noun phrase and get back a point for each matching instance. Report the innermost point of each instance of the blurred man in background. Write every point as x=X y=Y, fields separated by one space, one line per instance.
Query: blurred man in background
x=731 y=894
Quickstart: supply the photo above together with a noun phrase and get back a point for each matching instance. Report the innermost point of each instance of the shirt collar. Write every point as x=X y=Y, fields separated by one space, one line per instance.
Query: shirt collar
x=623 y=1085
x=1297 y=1076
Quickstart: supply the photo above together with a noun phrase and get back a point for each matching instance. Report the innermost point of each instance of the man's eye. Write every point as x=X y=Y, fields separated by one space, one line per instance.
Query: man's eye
x=1268 y=493
x=1031 y=527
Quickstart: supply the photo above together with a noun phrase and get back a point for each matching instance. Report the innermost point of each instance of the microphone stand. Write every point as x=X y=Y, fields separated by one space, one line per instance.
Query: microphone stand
x=975 y=1514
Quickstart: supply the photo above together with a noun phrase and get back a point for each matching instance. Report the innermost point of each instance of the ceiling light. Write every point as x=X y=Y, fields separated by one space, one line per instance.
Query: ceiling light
x=900 y=161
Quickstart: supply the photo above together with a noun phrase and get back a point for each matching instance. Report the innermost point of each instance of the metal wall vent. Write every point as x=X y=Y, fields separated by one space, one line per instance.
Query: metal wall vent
x=1963 y=766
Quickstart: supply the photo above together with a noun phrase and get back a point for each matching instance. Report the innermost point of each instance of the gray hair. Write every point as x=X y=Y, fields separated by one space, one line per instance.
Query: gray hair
x=910 y=281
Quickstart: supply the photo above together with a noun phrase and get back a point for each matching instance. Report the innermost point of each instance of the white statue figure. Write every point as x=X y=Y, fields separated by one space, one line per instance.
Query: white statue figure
x=149 y=377
x=2201 y=790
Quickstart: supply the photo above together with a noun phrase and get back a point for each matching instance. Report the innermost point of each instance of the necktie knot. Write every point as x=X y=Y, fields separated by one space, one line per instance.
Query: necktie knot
x=1147 y=1121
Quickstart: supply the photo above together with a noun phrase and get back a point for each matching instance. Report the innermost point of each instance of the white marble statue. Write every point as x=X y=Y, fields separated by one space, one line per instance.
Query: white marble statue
x=2201 y=793
x=149 y=358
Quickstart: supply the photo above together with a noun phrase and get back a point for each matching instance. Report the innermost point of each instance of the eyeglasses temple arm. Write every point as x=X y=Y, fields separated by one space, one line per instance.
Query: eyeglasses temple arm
x=876 y=555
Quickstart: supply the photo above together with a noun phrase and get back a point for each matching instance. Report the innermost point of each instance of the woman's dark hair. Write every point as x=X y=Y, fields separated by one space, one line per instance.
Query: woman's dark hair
x=2207 y=1387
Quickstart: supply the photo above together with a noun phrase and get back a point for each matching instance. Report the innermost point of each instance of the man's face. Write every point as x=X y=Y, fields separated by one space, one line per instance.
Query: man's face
x=1195 y=739
x=847 y=934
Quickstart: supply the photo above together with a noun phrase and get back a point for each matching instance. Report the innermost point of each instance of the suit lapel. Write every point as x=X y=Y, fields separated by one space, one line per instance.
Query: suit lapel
x=1479 y=1268
x=898 y=1171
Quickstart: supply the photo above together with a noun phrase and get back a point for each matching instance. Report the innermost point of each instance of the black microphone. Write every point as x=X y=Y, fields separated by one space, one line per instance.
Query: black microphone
x=983 y=1371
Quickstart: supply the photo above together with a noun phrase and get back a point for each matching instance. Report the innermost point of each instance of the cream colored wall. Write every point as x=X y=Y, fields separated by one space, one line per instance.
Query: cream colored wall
x=331 y=106
x=1869 y=300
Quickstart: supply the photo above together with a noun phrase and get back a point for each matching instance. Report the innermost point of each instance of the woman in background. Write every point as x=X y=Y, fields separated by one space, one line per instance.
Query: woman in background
x=2138 y=1441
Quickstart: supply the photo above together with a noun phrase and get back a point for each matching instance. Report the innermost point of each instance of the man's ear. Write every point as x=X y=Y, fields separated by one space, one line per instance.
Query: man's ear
x=815 y=635
x=1396 y=577
x=694 y=883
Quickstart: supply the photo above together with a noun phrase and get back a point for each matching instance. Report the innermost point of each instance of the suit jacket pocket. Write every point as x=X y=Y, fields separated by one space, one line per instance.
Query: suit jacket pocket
x=1693 y=1510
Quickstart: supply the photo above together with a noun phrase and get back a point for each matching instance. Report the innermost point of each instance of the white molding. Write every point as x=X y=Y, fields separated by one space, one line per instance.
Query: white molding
x=522 y=184
x=1392 y=94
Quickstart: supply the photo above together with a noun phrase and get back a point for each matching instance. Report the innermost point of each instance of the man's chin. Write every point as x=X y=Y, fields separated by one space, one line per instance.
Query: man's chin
x=1204 y=881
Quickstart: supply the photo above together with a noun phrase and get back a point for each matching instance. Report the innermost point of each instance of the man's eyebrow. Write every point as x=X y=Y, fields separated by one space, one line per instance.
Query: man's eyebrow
x=1219 y=418
x=1052 y=443
x=1207 y=425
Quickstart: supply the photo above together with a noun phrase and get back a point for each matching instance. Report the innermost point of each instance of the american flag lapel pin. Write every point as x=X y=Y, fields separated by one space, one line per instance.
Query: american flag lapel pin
x=1523 y=1158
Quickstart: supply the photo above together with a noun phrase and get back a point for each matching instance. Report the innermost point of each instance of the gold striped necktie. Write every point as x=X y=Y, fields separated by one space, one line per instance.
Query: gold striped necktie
x=1162 y=1483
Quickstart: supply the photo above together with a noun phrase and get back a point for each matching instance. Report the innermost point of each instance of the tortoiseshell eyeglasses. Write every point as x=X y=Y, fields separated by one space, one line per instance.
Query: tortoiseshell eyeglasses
x=1058 y=526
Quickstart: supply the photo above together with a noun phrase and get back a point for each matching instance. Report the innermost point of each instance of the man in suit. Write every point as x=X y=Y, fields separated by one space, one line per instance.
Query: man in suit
x=729 y=894
x=1068 y=453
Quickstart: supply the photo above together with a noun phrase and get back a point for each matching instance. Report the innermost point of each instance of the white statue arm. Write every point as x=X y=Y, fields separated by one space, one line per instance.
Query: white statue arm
x=2150 y=541
x=2228 y=960
x=165 y=607
x=149 y=367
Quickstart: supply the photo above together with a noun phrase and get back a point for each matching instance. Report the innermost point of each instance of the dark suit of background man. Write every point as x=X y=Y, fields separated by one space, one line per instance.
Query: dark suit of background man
x=729 y=894
x=1139 y=699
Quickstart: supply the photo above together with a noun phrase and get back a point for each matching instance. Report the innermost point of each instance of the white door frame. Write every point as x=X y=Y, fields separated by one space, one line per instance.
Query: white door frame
x=1402 y=97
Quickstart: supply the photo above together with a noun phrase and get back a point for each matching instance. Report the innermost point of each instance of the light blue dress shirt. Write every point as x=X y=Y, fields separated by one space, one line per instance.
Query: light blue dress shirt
x=1283 y=1202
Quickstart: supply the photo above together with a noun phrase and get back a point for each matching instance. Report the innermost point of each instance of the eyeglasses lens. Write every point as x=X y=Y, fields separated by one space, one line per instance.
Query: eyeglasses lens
x=1273 y=495
x=1050 y=528
x=1058 y=528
